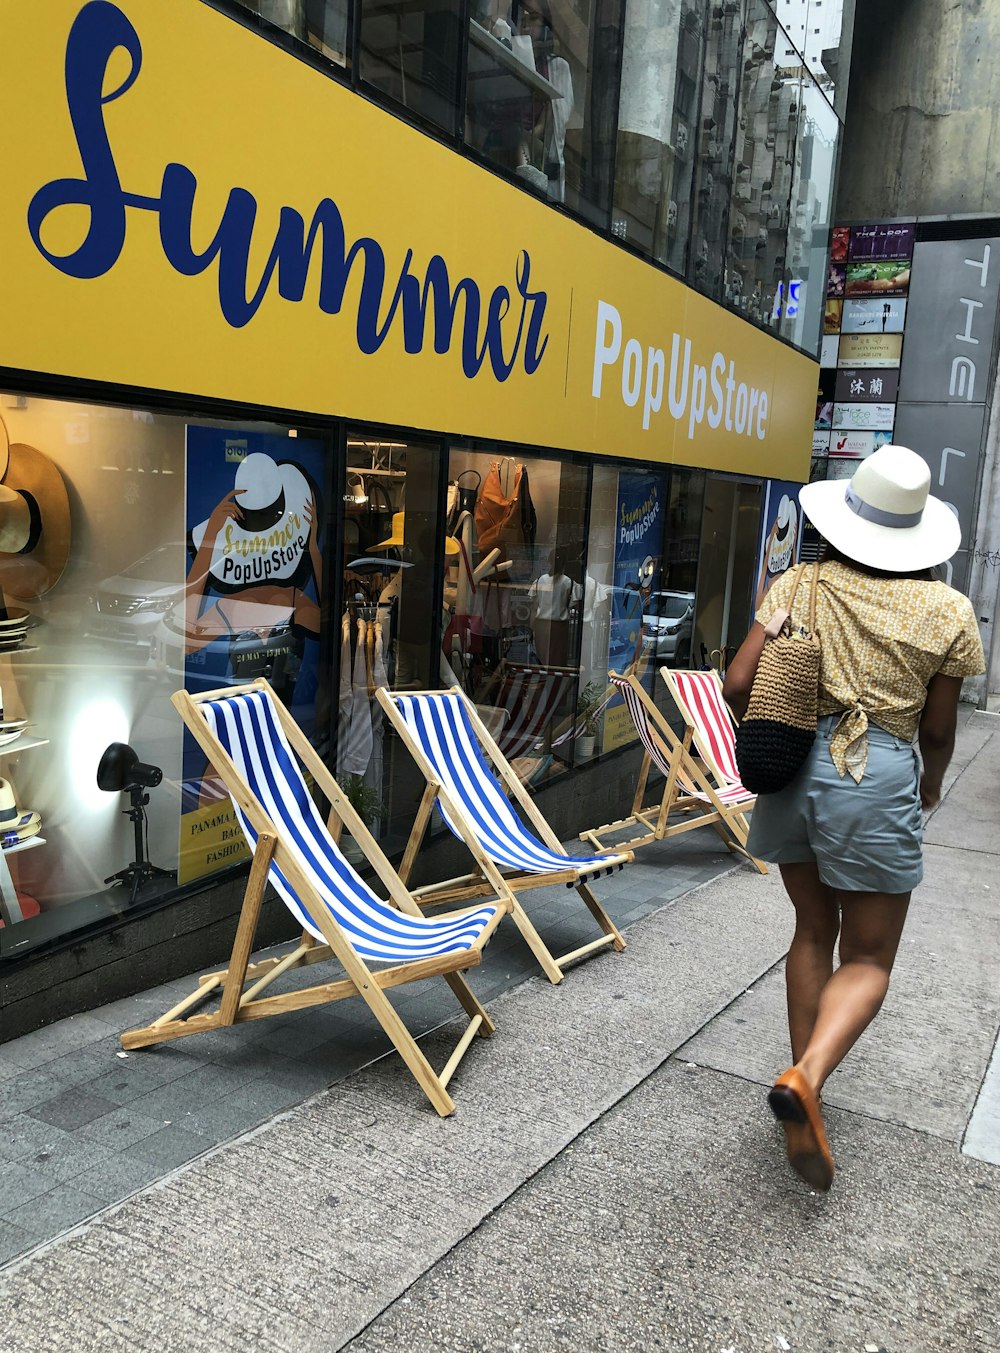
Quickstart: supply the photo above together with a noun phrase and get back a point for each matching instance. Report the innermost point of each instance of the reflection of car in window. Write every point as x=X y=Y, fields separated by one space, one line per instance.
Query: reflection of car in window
x=259 y=641
x=668 y=624
x=127 y=606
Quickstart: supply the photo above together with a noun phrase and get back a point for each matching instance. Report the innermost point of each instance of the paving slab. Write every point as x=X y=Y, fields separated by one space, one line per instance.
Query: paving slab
x=678 y=1225
x=923 y=1060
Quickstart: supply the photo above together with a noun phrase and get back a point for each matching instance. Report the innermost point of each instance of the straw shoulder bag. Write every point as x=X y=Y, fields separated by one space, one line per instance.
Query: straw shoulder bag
x=779 y=726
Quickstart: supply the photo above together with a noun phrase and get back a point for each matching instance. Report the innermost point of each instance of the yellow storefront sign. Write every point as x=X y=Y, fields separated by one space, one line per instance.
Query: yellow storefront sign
x=165 y=223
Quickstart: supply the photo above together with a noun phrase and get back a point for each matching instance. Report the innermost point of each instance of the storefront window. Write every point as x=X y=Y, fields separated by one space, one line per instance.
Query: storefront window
x=392 y=571
x=513 y=630
x=543 y=94
x=320 y=23
x=658 y=126
x=410 y=52
x=168 y=553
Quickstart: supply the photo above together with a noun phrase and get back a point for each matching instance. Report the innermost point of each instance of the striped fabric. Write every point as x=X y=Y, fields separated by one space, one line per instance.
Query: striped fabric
x=727 y=793
x=248 y=729
x=531 y=696
x=713 y=727
x=441 y=727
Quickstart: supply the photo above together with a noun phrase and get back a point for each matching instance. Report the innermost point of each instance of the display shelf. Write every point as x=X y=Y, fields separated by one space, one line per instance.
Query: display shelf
x=505 y=58
x=30 y=844
x=22 y=744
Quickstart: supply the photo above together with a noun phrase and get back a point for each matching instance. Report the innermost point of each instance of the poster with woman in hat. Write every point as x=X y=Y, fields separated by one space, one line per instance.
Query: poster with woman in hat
x=252 y=601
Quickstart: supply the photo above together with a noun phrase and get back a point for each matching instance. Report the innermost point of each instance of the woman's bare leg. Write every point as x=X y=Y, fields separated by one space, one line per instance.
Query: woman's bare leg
x=810 y=958
x=871 y=926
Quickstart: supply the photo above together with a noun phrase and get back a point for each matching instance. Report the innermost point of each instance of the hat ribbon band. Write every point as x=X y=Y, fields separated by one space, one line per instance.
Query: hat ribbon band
x=879 y=515
x=9 y=814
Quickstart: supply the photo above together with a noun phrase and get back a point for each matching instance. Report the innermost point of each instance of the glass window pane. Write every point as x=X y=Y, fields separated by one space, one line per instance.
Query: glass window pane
x=162 y=587
x=657 y=126
x=410 y=52
x=810 y=217
x=543 y=90
x=518 y=656
x=387 y=635
x=320 y=23
x=765 y=148
x=716 y=145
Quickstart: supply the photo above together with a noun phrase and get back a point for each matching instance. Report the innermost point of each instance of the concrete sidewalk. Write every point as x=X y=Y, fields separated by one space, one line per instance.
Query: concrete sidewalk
x=611 y=1179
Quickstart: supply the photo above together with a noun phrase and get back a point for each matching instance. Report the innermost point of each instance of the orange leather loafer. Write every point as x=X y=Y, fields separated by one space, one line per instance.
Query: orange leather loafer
x=794 y=1104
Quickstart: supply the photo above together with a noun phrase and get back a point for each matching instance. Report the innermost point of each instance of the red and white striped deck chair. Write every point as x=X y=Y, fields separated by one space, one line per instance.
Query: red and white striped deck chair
x=690 y=798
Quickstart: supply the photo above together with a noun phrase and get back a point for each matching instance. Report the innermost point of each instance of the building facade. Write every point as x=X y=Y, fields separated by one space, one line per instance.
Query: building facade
x=351 y=343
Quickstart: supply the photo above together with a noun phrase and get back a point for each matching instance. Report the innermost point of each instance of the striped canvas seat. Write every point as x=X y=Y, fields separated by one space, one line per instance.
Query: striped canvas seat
x=248 y=731
x=266 y=763
x=531 y=697
x=484 y=803
x=692 y=796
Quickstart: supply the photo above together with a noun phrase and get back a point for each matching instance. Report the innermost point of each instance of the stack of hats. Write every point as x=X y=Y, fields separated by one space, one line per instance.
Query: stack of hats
x=15 y=825
x=14 y=625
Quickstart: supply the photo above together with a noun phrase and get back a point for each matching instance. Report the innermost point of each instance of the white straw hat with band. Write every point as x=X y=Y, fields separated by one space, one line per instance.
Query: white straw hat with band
x=885 y=516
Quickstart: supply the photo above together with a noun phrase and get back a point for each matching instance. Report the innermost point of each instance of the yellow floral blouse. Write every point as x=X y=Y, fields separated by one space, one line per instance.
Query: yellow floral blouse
x=882 y=640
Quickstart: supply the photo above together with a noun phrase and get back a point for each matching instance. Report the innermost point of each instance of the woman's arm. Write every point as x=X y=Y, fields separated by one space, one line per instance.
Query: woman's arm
x=937 y=734
x=742 y=670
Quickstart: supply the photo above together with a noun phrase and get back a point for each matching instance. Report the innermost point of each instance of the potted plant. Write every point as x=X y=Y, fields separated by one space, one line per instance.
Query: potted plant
x=366 y=801
x=588 y=708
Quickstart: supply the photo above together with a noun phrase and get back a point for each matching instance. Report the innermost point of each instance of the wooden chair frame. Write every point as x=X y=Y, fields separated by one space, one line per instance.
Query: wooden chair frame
x=688 y=791
x=238 y=1006
x=488 y=878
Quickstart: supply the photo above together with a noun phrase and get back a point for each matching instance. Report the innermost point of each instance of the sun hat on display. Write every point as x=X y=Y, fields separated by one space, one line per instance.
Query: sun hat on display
x=34 y=524
x=395 y=541
x=885 y=516
x=15 y=826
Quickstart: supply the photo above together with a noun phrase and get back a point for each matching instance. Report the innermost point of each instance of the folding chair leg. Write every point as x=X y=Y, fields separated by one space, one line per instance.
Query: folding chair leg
x=467 y=1000
x=535 y=942
x=601 y=917
x=406 y=1045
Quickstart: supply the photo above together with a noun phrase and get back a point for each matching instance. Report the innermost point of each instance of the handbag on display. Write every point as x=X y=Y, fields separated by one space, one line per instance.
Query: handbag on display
x=505 y=520
x=461 y=498
x=375 y=516
x=779 y=727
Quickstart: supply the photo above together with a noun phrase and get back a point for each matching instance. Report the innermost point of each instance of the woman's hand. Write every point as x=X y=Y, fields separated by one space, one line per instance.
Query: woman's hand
x=227 y=510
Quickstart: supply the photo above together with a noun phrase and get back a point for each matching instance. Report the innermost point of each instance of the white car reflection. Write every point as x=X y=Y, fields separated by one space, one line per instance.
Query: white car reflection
x=668 y=626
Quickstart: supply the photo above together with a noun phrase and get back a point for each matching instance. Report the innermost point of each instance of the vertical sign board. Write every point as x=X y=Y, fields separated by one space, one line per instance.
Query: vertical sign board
x=946 y=373
x=780 y=535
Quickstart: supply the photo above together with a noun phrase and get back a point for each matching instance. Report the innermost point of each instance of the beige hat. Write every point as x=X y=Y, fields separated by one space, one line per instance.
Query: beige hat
x=395 y=541
x=34 y=524
x=15 y=826
x=885 y=516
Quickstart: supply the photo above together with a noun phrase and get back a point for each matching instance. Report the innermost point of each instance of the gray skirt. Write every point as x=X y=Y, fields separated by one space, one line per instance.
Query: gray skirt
x=863 y=837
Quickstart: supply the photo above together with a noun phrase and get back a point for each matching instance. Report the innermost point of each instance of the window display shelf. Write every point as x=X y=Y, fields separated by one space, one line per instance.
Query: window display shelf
x=22 y=744
x=30 y=844
x=505 y=58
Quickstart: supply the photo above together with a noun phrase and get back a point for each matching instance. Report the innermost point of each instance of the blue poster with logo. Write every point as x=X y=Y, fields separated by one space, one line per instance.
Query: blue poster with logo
x=780 y=535
x=638 y=541
x=252 y=602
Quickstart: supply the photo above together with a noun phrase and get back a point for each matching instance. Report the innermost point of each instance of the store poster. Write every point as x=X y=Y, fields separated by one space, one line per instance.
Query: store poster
x=252 y=607
x=862 y=417
x=635 y=573
x=851 y=445
x=780 y=535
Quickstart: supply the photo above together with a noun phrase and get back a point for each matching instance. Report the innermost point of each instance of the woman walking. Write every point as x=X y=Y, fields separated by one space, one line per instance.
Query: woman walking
x=846 y=834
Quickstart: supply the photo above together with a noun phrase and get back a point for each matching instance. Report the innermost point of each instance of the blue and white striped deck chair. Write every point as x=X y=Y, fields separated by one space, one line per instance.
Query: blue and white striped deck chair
x=260 y=754
x=689 y=798
x=477 y=794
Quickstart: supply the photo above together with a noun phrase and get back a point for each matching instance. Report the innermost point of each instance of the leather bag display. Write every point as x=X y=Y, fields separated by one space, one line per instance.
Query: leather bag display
x=505 y=518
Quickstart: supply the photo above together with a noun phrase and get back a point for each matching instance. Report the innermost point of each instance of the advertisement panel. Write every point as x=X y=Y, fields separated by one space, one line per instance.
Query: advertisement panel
x=873 y=316
x=881 y=240
x=780 y=535
x=176 y=234
x=870 y=350
x=638 y=539
x=251 y=607
x=866 y=384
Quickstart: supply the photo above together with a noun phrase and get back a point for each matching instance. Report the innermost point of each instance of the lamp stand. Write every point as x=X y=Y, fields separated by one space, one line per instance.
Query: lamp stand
x=137 y=873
